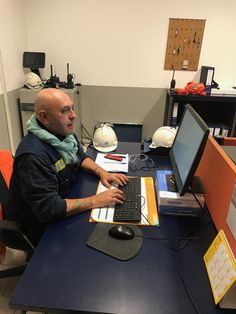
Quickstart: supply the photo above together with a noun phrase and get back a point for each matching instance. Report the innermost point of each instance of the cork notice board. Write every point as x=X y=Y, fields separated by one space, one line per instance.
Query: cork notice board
x=184 y=44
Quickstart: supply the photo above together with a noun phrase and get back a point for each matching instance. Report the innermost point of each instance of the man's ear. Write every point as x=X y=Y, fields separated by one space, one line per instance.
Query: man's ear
x=42 y=116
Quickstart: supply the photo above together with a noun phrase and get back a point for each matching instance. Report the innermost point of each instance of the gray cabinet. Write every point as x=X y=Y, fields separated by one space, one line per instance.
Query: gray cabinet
x=27 y=97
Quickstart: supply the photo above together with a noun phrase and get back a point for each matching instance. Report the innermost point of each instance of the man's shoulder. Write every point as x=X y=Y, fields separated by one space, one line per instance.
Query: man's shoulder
x=31 y=144
x=29 y=138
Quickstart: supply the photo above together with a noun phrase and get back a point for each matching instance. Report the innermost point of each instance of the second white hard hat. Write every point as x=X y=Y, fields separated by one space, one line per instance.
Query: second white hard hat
x=33 y=81
x=163 y=137
x=104 y=138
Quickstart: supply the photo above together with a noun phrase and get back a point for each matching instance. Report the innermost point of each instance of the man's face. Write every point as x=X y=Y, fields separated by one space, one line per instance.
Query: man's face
x=61 y=117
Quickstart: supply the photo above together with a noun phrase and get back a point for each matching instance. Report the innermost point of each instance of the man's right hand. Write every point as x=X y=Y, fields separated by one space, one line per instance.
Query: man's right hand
x=103 y=199
x=109 y=197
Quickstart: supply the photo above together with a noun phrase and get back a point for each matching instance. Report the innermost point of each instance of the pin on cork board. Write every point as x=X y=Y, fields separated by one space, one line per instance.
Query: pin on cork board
x=184 y=44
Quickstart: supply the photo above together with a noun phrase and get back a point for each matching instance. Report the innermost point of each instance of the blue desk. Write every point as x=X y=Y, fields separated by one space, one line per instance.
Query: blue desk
x=66 y=276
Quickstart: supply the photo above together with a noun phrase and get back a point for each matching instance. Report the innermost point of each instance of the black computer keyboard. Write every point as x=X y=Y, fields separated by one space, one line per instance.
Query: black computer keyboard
x=131 y=209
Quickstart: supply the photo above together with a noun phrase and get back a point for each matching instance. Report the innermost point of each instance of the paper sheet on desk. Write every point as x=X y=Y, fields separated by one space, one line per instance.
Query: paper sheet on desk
x=113 y=165
x=149 y=209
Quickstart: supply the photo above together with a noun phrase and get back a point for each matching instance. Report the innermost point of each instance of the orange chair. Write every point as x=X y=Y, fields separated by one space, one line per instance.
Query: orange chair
x=11 y=233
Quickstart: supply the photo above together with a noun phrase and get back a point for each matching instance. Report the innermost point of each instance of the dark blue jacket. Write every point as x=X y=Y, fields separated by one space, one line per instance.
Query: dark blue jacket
x=39 y=181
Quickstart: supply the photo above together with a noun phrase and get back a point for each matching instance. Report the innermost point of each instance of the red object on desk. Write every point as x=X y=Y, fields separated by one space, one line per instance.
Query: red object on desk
x=114 y=157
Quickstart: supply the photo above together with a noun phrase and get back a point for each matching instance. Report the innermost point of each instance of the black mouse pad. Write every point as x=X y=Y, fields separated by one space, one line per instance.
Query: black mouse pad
x=120 y=249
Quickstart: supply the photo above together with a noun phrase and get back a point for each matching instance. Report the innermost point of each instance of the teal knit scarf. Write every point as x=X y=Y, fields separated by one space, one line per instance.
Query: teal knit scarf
x=66 y=148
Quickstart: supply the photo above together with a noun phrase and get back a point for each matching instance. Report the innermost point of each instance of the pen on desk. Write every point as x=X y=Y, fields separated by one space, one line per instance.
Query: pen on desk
x=123 y=156
x=115 y=162
x=117 y=155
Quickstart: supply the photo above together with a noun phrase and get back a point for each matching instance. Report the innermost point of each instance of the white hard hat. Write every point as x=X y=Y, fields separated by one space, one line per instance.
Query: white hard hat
x=104 y=138
x=163 y=137
x=33 y=81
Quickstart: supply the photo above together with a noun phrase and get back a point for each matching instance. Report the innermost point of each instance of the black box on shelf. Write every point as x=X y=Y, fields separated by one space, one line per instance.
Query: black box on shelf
x=206 y=77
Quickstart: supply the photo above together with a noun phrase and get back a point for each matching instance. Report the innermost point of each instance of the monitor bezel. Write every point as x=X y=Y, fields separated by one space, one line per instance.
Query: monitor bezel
x=183 y=187
x=40 y=65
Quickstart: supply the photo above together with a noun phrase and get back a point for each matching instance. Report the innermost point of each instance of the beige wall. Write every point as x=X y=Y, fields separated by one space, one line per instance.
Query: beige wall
x=4 y=137
x=10 y=121
x=12 y=45
x=123 y=42
x=113 y=104
x=12 y=42
x=116 y=49
x=15 y=121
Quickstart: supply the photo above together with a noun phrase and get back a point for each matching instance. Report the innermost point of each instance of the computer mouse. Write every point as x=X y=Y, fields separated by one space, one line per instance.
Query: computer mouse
x=121 y=232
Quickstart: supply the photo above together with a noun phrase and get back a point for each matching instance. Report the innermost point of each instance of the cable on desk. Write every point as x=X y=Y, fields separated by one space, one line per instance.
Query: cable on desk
x=141 y=162
x=200 y=205
x=197 y=200
x=181 y=238
x=177 y=250
x=86 y=132
x=185 y=285
x=206 y=215
x=87 y=139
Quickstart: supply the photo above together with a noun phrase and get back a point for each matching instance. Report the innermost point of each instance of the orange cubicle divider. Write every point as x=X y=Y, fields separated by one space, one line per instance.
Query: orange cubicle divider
x=218 y=175
x=229 y=141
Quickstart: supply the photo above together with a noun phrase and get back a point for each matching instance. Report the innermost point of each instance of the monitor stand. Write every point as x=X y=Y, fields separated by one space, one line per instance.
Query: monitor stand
x=171 y=203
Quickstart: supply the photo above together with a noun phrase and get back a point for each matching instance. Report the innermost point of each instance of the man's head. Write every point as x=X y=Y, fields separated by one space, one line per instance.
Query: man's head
x=55 y=110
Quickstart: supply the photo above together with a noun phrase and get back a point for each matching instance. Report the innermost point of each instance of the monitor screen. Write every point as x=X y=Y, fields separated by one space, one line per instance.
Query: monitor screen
x=187 y=148
x=33 y=60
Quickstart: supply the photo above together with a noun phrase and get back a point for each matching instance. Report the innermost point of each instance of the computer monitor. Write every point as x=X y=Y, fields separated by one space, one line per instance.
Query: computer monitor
x=34 y=61
x=187 y=149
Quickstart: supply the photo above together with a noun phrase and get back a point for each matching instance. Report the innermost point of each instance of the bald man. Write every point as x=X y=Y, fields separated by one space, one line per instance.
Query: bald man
x=46 y=163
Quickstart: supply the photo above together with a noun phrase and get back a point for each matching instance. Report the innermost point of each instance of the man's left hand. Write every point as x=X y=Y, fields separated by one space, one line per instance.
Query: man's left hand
x=107 y=178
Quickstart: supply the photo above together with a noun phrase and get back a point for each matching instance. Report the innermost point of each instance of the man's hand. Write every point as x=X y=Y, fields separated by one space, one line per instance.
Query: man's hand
x=103 y=199
x=107 y=178
x=109 y=197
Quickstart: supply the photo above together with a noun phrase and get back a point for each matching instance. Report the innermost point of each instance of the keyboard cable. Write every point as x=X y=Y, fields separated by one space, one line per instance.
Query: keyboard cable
x=141 y=162
x=177 y=251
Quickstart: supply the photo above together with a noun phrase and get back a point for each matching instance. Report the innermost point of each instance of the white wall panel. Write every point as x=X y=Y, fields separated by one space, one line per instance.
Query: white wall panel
x=123 y=42
x=12 y=41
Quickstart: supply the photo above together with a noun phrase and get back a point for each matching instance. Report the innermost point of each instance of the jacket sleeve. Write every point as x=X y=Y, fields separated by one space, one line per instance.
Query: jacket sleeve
x=39 y=188
x=81 y=154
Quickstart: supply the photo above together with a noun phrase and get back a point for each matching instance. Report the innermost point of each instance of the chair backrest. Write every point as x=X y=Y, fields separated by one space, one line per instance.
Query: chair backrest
x=11 y=233
x=6 y=164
